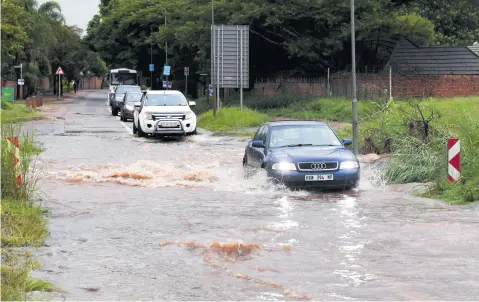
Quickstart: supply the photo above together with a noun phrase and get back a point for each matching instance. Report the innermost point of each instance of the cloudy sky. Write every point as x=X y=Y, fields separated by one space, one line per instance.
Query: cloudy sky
x=76 y=12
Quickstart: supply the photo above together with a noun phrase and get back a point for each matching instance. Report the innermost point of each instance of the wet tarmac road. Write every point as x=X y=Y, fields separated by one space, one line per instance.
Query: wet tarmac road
x=144 y=219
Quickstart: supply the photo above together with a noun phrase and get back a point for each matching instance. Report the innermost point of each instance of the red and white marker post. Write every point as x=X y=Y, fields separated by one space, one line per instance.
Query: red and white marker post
x=14 y=144
x=454 y=160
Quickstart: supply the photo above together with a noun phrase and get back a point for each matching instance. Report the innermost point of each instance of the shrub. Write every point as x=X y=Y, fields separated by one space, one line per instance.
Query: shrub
x=28 y=168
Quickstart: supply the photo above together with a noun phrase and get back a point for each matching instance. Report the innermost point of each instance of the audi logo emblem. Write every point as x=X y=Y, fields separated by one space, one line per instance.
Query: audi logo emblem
x=318 y=166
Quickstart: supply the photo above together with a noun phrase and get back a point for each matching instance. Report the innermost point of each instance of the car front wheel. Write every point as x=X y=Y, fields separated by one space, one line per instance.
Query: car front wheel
x=140 y=131
x=247 y=169
x=135 y=130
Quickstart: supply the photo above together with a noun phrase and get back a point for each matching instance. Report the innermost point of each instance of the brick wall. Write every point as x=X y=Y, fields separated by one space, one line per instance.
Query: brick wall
x=374 y=86
x=93 y=83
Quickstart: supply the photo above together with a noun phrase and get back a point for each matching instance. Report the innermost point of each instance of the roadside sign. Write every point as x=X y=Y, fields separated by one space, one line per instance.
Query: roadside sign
x=230 y=52
x=187 y=71
x=21 y=82
x=8 y=94
x=167 y=84
x=152 y=67
x=454 y=160
x=211 y=90
x=59 y=71
x=166 y=70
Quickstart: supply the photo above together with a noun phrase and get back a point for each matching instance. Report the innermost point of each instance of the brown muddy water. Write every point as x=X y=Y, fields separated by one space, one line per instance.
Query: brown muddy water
x=146 y=219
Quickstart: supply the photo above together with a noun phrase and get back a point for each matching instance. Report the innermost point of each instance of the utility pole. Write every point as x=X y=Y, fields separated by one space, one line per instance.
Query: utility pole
x=151 y=62
x=166 y=42
x=353 y=71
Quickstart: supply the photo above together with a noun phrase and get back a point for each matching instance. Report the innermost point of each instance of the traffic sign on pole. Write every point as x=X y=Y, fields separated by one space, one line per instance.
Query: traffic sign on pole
x=152 y=67
x=166 y=70
x=21 y=82
x=59 y=71
x=454 y=160
x=187 y=71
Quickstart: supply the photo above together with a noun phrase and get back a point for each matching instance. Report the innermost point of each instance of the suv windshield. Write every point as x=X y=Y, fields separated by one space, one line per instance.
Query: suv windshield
x=297 y=135
x=165 y=100
x=124 y=89
x=133 y=97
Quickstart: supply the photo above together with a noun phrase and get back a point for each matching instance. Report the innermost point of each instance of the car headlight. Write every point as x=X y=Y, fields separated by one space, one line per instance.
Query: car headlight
x=349 y=165
x=284 y=166
x=129 y=107
x=147 y=116
x=189 y=115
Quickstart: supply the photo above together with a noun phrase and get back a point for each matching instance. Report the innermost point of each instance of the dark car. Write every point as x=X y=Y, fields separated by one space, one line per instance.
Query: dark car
x=117 y=97
x=127 y=107
x=303 y=154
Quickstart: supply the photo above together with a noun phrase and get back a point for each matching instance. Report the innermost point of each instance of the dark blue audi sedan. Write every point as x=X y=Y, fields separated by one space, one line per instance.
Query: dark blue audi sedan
x=303 y=154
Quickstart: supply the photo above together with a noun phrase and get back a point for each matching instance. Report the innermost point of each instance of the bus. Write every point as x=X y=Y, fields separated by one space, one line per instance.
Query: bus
x=121 y=76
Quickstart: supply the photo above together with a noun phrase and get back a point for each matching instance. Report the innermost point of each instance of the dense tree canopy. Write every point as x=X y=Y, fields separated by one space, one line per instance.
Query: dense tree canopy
x=37 y=37
x=298 y=37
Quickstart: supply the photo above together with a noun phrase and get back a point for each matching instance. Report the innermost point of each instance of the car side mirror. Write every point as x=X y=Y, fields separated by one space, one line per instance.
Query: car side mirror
x=192 y=103
x=258 y=144
x=347 y=141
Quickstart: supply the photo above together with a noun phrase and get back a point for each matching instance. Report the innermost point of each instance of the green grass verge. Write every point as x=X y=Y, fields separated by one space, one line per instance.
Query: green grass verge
x=23 y=222
x=16 y=277
x=17 y=112
x=231 y=118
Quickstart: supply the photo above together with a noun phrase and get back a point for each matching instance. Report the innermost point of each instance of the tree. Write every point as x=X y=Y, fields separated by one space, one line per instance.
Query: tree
x=37 y=37
x=286 y=37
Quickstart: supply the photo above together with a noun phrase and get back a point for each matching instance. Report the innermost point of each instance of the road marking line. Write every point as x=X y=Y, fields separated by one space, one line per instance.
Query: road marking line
x=130 y=130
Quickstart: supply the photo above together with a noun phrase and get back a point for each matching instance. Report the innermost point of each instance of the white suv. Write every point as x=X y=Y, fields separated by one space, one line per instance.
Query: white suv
x=164 y=113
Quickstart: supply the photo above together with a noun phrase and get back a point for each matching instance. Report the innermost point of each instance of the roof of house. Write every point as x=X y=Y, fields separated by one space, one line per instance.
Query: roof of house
x=474 y=48
x=410 y=58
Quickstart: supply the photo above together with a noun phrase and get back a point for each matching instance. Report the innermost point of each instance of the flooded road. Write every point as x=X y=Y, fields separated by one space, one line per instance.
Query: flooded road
x=144 y=219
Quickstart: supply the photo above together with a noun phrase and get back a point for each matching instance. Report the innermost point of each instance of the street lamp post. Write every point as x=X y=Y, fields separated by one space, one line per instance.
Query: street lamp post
x=166 y=42
x=353 y=72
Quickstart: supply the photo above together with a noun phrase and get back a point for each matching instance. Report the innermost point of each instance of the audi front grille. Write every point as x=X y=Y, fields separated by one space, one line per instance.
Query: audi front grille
x=318 y=166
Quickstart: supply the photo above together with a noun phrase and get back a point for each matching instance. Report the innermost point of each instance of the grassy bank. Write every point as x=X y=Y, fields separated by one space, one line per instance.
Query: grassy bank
x=413 y=132
x=17 y=112
x=231 y=118
x=23 y=221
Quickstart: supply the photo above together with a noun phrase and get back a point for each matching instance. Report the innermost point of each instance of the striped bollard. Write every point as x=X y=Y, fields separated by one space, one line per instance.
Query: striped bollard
x=454 y=160
x=11 y=145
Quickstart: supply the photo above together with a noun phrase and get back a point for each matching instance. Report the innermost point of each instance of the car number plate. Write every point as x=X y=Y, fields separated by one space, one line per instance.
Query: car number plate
x=320 y=177
x=169 y=124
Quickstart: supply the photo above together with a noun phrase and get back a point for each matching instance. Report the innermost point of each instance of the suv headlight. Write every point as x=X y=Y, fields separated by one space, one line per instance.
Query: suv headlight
x=349 y=165
x=189 y=115
x=284 y=166
x=147 y=115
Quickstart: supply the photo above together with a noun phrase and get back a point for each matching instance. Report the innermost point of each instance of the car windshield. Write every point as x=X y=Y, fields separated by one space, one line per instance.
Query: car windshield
x=165 y=100
x=133 y=97
x=124 y=78
x=125 y=89
x=303 y=135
